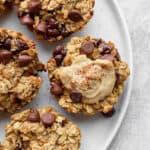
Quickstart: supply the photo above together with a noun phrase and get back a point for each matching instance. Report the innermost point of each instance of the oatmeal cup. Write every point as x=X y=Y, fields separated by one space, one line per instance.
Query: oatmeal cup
x=53 y=20
x=87 y=75
x=19 y=67
x=41 y=129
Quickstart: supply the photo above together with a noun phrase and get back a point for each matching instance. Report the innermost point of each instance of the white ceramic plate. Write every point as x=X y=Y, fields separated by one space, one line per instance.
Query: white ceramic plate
x=108 y=23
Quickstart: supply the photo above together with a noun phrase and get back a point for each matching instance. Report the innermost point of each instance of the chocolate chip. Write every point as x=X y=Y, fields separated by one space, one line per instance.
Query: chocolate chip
x=53 y=32
x=48 y=119
x=52 y=24
x=24 y=60
x=58 y=50
x=110 y=113
x=76 y=96
x=26 y=20
x=21 y=45
x=19 y=148
x=108 y=57
x=75 y=15
x=7 y=44
x=59 y=58
x=98 y=42
x=106 y=48
x=34 y=6
x=65 y=33
x=5 y=57
x=20 y=14
x=34 y=115
x=17 y=100
x=1 y=45
x=56 y=89
x=63 y=123
x=117 y=73
x=87 y=48
x=41 y=27
x=118 y=57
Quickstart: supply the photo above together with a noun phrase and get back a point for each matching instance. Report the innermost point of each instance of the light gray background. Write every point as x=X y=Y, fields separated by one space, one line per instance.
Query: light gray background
x=134 y=133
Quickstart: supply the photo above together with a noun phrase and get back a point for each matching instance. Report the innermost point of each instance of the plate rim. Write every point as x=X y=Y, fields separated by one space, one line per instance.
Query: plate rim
x=129 y=91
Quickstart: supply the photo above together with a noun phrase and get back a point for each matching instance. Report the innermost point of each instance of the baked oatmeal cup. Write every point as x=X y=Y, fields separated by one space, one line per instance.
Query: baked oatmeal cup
x=19 y=67
x=53 y=20
x=41 y=129
x=87 y=75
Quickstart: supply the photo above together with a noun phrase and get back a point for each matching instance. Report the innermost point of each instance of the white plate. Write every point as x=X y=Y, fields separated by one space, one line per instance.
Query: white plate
x=108 y=23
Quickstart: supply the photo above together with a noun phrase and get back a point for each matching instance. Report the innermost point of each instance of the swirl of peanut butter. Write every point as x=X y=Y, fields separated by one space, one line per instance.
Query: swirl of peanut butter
x=95 y=79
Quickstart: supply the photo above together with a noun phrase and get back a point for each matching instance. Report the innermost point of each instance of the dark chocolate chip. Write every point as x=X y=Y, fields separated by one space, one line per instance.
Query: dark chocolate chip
x=76 y=96
x=117 y=73
x=63 y=53
x=26 y=20
x=41 y=27
x=34 y=115
x=63 y=123
x=56 y=89
x=58 y=50
x=98 y=42
x=52 y=24
x=21 y=45
x=108 y=57
x=65 y=33
x=106 y=48
x=87 y=48
x=19 y=148
x=7 y=44
x=118 y=57
x=34 y=6
x=1 y=45
x=110 y=113
x=48 y=119
x=75 y=15
x=52 y=11
x=5 y=57
x=53 y=32
x=24 y=60
x=20 y=14
x=17 y=100
x=59 y=58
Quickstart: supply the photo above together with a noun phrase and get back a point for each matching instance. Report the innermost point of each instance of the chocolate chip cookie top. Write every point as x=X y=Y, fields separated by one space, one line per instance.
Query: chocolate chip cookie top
x=87 y=75
x=41 y=129
x=54 y=20
x=19 y=67
x=4 y=4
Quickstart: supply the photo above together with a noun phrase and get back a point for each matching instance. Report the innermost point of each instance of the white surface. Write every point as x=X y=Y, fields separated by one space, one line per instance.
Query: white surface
x=97 y=132
x=134 y=133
